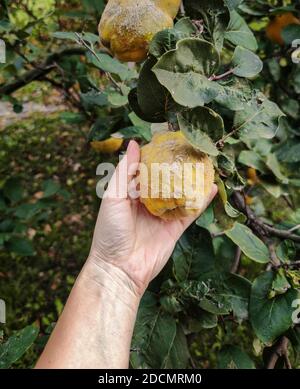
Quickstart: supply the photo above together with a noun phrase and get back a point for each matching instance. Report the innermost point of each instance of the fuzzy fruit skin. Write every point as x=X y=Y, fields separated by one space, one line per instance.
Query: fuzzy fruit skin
x=108 y=146
x=276 y=26
x=127 y=26
x=170 y=147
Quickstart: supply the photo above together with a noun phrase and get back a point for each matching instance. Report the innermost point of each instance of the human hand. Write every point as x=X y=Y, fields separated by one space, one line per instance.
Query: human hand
x=128 y=237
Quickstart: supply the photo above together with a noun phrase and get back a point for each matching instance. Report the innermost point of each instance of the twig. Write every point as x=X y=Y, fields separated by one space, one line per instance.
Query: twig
x=295 y=228
x=237 y=259
x=221 y=76
x=90 y=48
x=40 y=71
x=258 y=225
x=294 y=264
x=220 y=143
x=280 y=349
x=284 y=234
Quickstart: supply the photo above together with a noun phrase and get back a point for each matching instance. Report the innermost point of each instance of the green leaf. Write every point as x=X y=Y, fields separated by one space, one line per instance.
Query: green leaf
x=167 y=39
x=270 y=318
x=193 y=255
x=236 y=289
x=17 y=345
x=232 y=357
x=50 y=188
x=116 y=99
x=72 y=117
x=27 y=211
x=234 y=94
x=246 y=63
x=13 y=189
x=232 y=4
x=64 y=35
x=207 y=218
x=160 y=341
x=251 y=159
x=21 y=246
x=289 y=151
x=184 y=72
x=153 y=99
x=239 y=34
x=202 y=127
x=249 y=243
x=185 y=26
x=111 y=65
x=280 y=284
x=216 y=18
x=135 y=132
x=274 y=166
x=144 y=127
x=290 y=33
x=260 y=119
x=93 y=98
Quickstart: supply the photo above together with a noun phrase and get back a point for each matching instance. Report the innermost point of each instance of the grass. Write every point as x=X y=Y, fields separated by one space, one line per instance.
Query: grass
x=35 y=288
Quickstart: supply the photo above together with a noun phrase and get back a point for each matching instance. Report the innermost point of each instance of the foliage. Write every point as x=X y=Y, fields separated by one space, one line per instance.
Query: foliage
x=235 y=95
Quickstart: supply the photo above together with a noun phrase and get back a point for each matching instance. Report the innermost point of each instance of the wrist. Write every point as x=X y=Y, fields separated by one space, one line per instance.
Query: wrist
x=102 y=278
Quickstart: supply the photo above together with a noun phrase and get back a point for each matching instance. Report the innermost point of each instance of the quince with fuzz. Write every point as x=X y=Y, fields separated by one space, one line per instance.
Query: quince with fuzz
x=107 y=146
x=275 y=27
x=127 y=26
x=172 y=148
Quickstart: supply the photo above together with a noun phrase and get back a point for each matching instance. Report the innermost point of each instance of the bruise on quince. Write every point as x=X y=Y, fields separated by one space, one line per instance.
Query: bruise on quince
x=127 y=26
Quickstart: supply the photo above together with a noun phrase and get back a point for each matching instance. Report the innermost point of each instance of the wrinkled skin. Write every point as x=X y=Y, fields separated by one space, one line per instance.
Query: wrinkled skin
x=275 y=27
x=172 y=148
x=127 y=26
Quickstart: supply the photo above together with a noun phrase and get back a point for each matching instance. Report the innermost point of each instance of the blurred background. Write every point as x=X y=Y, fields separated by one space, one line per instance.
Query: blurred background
x=48 y=119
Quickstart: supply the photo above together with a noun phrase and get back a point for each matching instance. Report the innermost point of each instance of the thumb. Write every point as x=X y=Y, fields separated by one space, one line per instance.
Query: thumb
x=126 y=169
x=187 y=221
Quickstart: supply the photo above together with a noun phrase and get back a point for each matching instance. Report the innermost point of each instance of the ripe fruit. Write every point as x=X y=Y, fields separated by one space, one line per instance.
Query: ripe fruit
x=275 y=27
x=127 y=26
x=108 y=146
x=173 y=149
x=252 y=176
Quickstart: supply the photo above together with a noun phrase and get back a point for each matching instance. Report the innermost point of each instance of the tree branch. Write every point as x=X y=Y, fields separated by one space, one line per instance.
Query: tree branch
x=221 y=76
x=258 y=225
x=40 y=70
x=236 y=262
x=280 y=349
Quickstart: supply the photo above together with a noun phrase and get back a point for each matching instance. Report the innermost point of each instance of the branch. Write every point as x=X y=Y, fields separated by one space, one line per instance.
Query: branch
x=236 y=262
x=280 y=349
x=40 y=70
x=89 y=47
x=294 y=264
x=221 y=76
x=258 y=225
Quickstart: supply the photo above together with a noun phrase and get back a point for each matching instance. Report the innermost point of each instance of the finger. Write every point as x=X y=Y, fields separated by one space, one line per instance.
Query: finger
x=125 y=171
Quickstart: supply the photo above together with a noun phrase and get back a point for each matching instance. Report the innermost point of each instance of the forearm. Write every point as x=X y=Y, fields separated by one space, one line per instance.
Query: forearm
x=95 y=328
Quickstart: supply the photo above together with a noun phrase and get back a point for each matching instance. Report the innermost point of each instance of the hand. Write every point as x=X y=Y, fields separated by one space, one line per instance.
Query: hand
x=129 y=238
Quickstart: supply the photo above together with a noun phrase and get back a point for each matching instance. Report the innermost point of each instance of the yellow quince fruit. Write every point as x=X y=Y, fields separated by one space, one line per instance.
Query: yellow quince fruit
x=275 y=27
x=107 y=146
x=172 y=149
x=127 y=26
